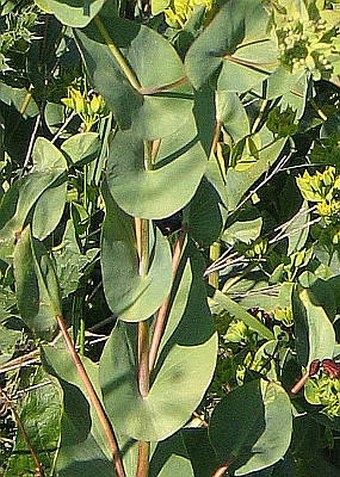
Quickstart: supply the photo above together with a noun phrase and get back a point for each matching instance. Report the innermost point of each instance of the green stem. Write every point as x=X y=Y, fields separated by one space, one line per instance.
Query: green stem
x=142 y=238
x=117 y=55
x=214 y=253
x=82 y=336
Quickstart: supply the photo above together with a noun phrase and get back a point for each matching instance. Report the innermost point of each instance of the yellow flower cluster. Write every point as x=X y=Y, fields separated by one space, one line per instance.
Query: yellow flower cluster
x=180 y=11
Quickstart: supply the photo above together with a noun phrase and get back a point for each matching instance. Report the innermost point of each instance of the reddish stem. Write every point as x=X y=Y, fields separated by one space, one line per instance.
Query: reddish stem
x=222 y=469
x=93 y=398
x=162 y=313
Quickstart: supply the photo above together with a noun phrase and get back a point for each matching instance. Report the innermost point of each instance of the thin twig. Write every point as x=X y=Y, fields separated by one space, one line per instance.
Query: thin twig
x=63 y=127
x=38 y=466
x=30 y=145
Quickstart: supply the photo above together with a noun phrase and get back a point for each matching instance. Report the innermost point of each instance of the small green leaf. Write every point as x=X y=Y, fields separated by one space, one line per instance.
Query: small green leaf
x=73 y=13
x=49 y=165
x=239 y=313
x=81 y=148
x=37 y=287
x=232 y=114
x=315 y=336
x=252 y=427
x=245 y=231
x=40 y=414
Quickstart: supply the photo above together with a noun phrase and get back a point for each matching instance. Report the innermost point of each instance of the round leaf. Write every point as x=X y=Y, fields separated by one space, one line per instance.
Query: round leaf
x=156 y=193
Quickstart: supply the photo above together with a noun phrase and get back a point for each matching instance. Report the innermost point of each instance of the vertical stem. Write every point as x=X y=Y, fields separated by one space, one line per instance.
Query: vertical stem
x=97 y=405
x=214 y=252
x=142 y=238
x=162 y=313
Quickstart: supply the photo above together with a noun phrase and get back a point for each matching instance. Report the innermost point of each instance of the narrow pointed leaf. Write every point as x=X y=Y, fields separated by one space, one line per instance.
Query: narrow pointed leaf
x=36 y=286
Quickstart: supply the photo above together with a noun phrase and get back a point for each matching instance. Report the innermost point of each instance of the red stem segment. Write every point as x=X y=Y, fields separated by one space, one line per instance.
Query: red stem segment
x=93 y=398
x=162 y=313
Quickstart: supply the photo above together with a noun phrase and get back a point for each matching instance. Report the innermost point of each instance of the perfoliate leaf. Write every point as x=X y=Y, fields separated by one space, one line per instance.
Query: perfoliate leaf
x=236 y=46
x=156 y=192
x=132 y=297
x=153 y=103
x=176 y=386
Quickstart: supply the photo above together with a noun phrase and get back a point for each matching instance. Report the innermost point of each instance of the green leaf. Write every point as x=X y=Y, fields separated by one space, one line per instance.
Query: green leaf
x=232 y=114
x=49 y=165
x=292 y=87
x=37 y=288
x=83 y=447
x=176 y=386
x=200 y=450
x=252 y=426
x=49 y=210
x=298 y=230
x=238 y=182
x=315 y=336
x=206 y=215
x=70 y=262
x=81 y=148
x=239 y=313
x=153 y=113
x=40 y=413
x=156 y=193
x=171 y=458
x=237 y=46
x=131 y=296
x=245 y=231
x=75 y=13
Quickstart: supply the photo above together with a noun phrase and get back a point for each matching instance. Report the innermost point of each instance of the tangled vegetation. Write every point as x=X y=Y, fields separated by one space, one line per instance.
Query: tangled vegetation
x=169 y=238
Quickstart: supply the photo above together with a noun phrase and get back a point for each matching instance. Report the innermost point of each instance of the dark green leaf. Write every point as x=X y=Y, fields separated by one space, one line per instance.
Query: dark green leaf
x=37 y=288
x=252 y=426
